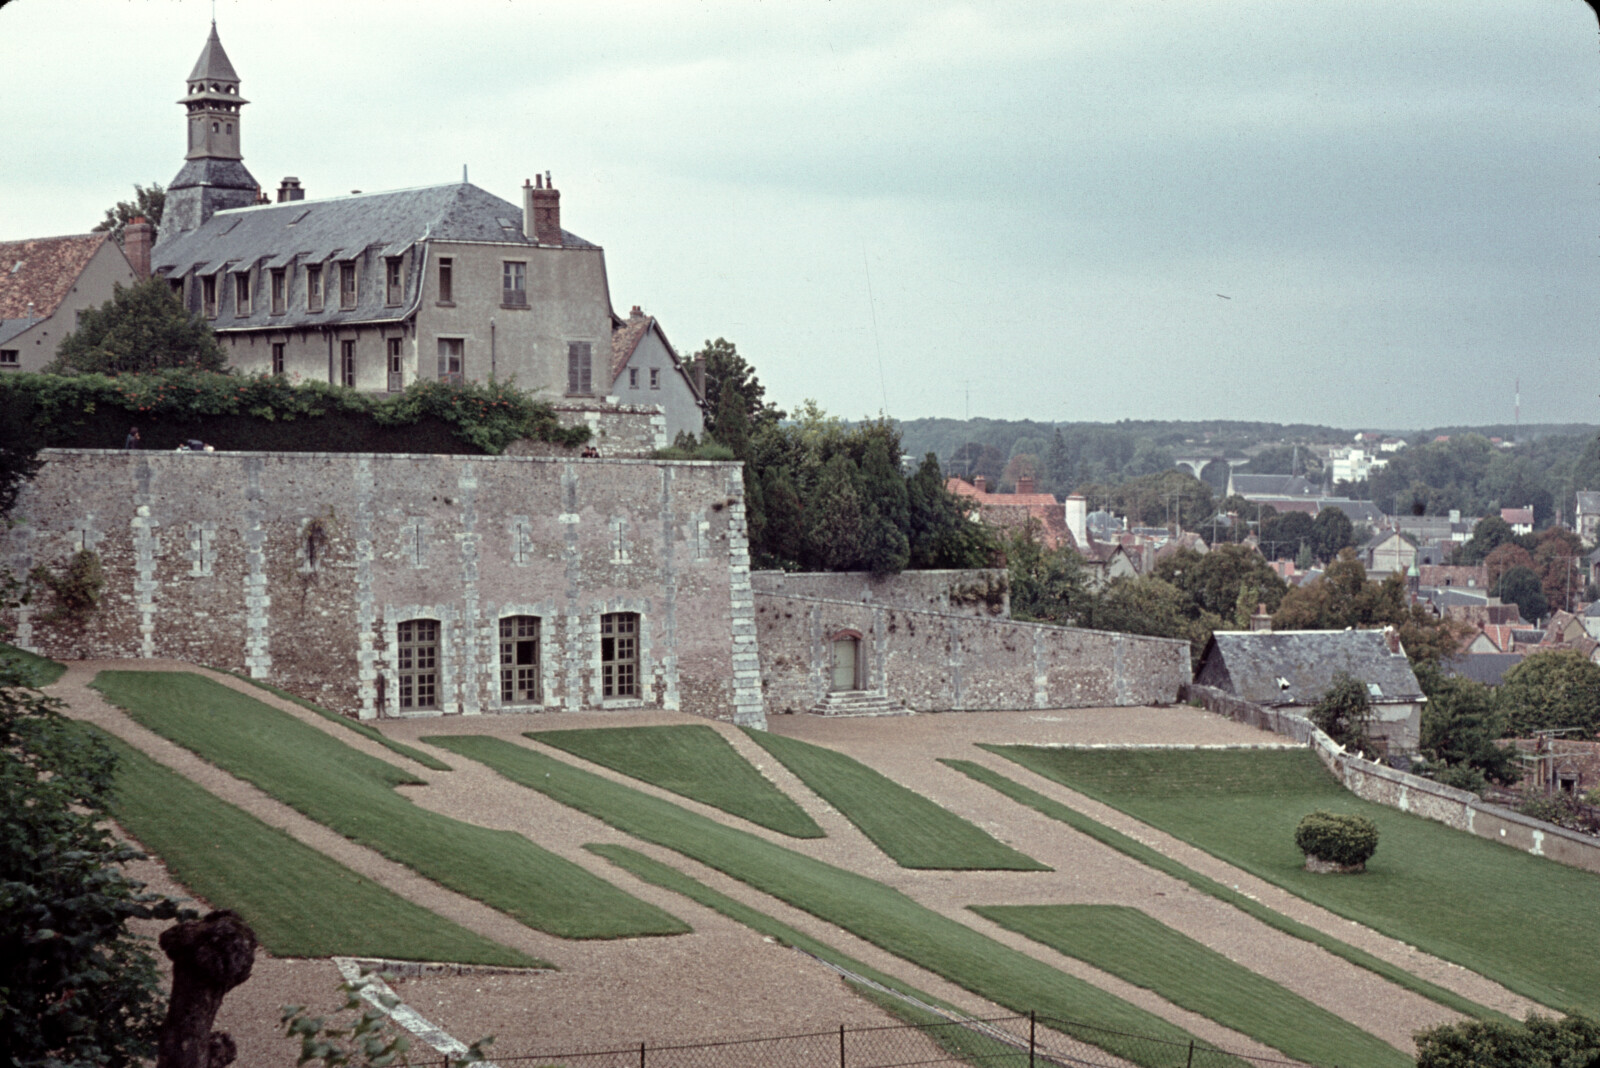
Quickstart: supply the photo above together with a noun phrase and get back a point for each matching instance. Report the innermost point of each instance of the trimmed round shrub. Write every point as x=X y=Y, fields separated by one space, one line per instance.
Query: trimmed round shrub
x=1334 y=838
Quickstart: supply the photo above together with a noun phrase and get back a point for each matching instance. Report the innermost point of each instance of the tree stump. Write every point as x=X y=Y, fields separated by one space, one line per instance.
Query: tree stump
x=209 y=957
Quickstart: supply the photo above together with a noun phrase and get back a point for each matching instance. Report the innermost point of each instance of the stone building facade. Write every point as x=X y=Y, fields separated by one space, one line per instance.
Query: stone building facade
x=398 y=585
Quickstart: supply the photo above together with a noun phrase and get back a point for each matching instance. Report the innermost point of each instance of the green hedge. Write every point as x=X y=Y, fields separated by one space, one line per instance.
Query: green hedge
x=1337 y=838
x=270 y=413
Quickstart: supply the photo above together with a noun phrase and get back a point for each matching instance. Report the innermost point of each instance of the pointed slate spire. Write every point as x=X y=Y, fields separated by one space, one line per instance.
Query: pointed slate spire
x=213 y=65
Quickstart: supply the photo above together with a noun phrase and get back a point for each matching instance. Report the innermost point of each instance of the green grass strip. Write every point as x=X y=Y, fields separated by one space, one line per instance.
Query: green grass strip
x=344 y=789
x=427 y=760
x=870 y=910
x=958 y=1041
x=299 y=902
x=1158 y=860
x=37 y=671
x=692 y=761
x=912 y=830
x=1529 y=923
x=1149 y=954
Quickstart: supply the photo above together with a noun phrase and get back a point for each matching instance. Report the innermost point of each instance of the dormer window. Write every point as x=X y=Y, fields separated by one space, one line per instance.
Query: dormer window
x=347 y=284
x=241 y=293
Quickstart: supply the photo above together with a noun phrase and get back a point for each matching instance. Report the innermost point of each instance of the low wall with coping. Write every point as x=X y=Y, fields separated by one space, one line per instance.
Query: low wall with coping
x=615 y=430
x=944 y=662
x=981 y=592
x=1411 y=793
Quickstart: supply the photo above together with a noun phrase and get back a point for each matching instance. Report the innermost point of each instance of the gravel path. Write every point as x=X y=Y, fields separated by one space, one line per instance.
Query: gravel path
x=725 y=981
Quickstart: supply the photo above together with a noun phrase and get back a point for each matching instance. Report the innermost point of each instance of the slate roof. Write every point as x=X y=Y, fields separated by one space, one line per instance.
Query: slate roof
x=1588 y=502
x=1358 y=511
x=1271 y=485
x=1454 y=575
x=298 y=232
x=213 y=63
x=1488 y=668
x=41 y=270
x=1254 y=666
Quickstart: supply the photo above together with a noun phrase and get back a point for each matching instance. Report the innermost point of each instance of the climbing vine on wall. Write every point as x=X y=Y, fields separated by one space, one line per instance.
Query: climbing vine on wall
x=75 y=589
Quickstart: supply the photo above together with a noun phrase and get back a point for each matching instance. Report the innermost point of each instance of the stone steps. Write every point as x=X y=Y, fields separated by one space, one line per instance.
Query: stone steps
x=858 y=703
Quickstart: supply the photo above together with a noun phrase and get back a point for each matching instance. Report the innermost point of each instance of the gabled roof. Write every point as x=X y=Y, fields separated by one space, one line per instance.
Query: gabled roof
x=1357 y=511
x=1012 y=510
x=41 y=271
x=315 y=231
x=1297 y=667
x=1516 y=516
x=1588 y=502
x=1253 y=486
x=625 y=337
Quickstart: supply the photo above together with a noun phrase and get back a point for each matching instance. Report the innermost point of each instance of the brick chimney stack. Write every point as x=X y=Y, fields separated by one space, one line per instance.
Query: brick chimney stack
x=541 y=210
x=981 y=484
x=1024 y=483
x=289 y=189
x=137 y=237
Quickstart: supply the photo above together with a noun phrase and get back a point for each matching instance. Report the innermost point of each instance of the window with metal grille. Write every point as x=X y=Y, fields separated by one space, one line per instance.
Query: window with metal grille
x=619 y=654
x=519 y=659
x=417 y=663
x=347 y=363
x=579 y=359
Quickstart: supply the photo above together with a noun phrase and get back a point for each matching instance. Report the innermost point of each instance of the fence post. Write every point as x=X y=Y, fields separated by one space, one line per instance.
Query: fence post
x=1033 y=1020
x=841 y=1046
x=1190 y=1062
x=641 y=1055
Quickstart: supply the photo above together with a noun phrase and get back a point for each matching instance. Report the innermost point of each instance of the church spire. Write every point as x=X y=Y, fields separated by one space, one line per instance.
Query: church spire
x=213 y=177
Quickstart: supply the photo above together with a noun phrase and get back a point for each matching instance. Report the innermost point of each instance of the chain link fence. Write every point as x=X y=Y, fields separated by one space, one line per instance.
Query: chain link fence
x=1003 y=1042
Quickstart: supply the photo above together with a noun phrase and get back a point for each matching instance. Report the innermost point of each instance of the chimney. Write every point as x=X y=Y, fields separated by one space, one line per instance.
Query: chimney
x=981 y=484
x=137 y=237
x=636 y=313
x=289 y=189
x=1024 y=483
x=541 y=210
x=1078 y=519
x=1262 y=620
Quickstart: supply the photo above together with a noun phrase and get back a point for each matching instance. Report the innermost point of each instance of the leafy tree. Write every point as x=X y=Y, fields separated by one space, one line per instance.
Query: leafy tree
x=1344 y=597
x=20 y=442
x=1059 y=462
x=1331 y=532
x=1555 y=556
x=141 y=328
x=726 y=369
x=1550 y=691
x=1273 y=460
x=974 y=459
x=1221 y=580
x=1460 y=723
x=1488 y=534
x=1504 y=558
x=784 y=515
x=1344 y=713
x=833 y=532
x=1521 y=586
x=1152 y=606
x=885 y=547
x=1540 y=1042
x=149 y=201
x=1283 y=536
x=939 y=531
x=1047 y=585
x=77 y=988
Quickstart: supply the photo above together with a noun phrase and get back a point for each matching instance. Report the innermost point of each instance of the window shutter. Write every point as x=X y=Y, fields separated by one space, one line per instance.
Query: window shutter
x=578 y=367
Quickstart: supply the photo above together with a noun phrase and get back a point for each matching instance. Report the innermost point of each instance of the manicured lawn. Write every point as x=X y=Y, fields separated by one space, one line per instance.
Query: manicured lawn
x=692 y=761
x=427 y=760
x=868 y=909
x=1250 y=906
x=958 y=1041
x=1529 y=923
x=342 y=788
x=299 y=902
x=1147 y=953
x=38 y=671
x=913 y=831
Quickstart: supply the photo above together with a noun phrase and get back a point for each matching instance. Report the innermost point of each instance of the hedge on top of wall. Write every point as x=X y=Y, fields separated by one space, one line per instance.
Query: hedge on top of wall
x=270 y=413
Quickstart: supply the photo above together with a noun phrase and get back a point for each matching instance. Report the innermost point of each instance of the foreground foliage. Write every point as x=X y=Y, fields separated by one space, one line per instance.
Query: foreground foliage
x=1541 y=1042
x=77 y=988
x=1337 y=838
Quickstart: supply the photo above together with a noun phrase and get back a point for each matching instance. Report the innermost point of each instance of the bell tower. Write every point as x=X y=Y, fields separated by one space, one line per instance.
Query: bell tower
x=213 y=177
x=213 y=104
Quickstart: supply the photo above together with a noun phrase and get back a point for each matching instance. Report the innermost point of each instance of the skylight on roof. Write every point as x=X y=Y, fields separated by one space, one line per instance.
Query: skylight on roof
x=1374 y=689
x=506 y=223
x=297 y=218
x=231 y=224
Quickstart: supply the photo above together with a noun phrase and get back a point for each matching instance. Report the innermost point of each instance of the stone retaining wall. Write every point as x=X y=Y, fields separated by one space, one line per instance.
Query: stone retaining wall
x=943 y=662
x=1411 y=793
x=984 y=593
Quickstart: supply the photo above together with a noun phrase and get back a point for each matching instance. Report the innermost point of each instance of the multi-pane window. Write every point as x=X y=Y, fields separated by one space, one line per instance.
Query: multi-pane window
x=579 y=359
x=280 y=291
x=277 y=357
x=347 y=284
x=619 y=654
x=241 y=293
x=397 y=369
x=450 y=356
x=417 y=663
x=519 y=659
x=391 y=280
x=208 y=296
x=347 y=363
x=314 y=288
x=655 y=378
x=633 y=378
x=447 y=289
x=10 y=357
x=514 y=283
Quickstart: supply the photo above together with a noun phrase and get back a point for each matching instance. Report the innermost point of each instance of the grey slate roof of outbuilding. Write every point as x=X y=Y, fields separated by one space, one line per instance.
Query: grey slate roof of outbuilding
x=1487 y=668
x=1271 y=485
x=1251 y=665
x=302 y=232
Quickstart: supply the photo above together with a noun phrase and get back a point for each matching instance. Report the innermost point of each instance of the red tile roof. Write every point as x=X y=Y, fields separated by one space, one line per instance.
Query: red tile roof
x=1013 y=510
x=41 y=270
x=625 y=337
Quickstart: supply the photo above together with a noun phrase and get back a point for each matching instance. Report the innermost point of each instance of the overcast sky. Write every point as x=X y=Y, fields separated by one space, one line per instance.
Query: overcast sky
x=1366 y=214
